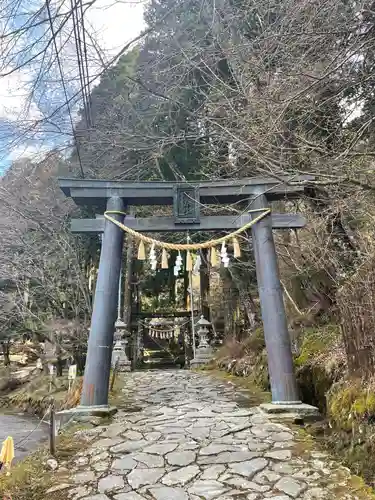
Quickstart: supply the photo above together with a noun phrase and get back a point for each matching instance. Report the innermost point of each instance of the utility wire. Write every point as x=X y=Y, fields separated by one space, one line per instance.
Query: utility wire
x=113 y=60
x=87 y=82
x=81 y=68
x=77 y=47
x=63 y=85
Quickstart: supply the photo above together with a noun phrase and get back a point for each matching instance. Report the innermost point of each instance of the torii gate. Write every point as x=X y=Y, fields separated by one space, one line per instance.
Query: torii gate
x=186 y=199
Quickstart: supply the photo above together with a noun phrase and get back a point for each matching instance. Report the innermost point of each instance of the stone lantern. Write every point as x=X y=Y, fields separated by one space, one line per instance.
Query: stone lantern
x=204 y=352
x=119 y=347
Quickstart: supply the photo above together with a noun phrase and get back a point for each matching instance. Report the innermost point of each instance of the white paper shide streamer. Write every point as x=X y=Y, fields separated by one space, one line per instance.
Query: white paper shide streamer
x=152 y=258
x=224 y=255
x=178 y=264
x=197 y=265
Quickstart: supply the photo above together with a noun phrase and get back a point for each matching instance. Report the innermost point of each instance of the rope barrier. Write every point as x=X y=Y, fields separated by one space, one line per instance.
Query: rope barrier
x=186 y=246
x=171 y=329
x=26 y=438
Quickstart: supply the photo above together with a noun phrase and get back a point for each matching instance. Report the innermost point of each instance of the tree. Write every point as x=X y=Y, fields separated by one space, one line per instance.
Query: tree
x=43 y=266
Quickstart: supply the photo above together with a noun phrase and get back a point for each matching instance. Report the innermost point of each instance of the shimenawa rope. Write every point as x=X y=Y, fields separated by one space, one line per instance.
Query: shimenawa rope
x=186 y=246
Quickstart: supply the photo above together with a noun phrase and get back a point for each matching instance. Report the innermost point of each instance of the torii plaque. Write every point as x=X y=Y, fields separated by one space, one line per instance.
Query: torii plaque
x=256 y=193
x=186 y=206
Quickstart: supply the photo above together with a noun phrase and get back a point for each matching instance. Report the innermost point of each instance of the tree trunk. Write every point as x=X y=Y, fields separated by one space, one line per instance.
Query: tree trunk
x=59 y=367
x=80 y=361
x=6 y=352
x=230 y=301
x=59 y=361
x=243 y=278
x=249 y=308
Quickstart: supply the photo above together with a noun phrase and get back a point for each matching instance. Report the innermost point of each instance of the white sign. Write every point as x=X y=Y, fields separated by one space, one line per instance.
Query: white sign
x=72 y=372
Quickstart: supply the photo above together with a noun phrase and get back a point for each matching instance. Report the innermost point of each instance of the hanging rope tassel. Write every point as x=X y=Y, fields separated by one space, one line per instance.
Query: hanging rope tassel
x=236 y=248
x=164 y=259
x=189 y=261
x=213 y=257
x=141 y=251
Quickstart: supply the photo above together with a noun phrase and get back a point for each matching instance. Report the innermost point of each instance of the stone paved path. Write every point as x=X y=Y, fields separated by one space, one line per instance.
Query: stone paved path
x=192 y=441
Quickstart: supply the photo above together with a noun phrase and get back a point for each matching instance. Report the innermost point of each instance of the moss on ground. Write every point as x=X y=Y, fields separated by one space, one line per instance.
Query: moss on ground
x=351 y=403
x=360 y=488
x=316 y=342
x=319 y=364
x=354 y=485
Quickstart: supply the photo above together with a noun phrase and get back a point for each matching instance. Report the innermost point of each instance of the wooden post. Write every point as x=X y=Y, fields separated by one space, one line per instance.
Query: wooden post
x=186 y=295
x=128 y=278
x=114 y=375
x=204 y=274
x=190 y=274
x=52 y=430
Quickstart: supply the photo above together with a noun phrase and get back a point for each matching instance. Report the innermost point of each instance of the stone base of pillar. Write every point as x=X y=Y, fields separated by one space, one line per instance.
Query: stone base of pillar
x=295 y=411
x=96 y=411
x=203 y=356
x=82 y=413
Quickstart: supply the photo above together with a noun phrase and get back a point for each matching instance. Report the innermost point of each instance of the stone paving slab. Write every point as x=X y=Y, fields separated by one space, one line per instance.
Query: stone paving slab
x=192 y=441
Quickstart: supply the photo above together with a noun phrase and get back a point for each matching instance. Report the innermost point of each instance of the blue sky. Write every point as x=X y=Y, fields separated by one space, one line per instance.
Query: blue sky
x=29 y=95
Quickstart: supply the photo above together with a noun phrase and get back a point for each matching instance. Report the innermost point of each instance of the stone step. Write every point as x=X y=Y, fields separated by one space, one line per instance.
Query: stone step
x=160 y=364
x=157 y=354
x=158 y=360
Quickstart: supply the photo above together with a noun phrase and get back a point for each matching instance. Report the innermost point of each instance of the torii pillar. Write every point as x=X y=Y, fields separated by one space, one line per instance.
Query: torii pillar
x=98 y=362
x=285 y=397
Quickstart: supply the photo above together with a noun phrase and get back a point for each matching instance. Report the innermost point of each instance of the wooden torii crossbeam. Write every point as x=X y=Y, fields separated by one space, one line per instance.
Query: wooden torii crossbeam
x=89 y=192
x=96 y=192
x=186 y=199
x=207 y=223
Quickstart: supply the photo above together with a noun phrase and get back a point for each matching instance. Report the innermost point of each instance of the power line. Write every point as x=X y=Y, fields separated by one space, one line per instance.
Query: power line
x=63 y=84
x=81 y=67
x=87 y=83
x=105 y=67
x=77 y=47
